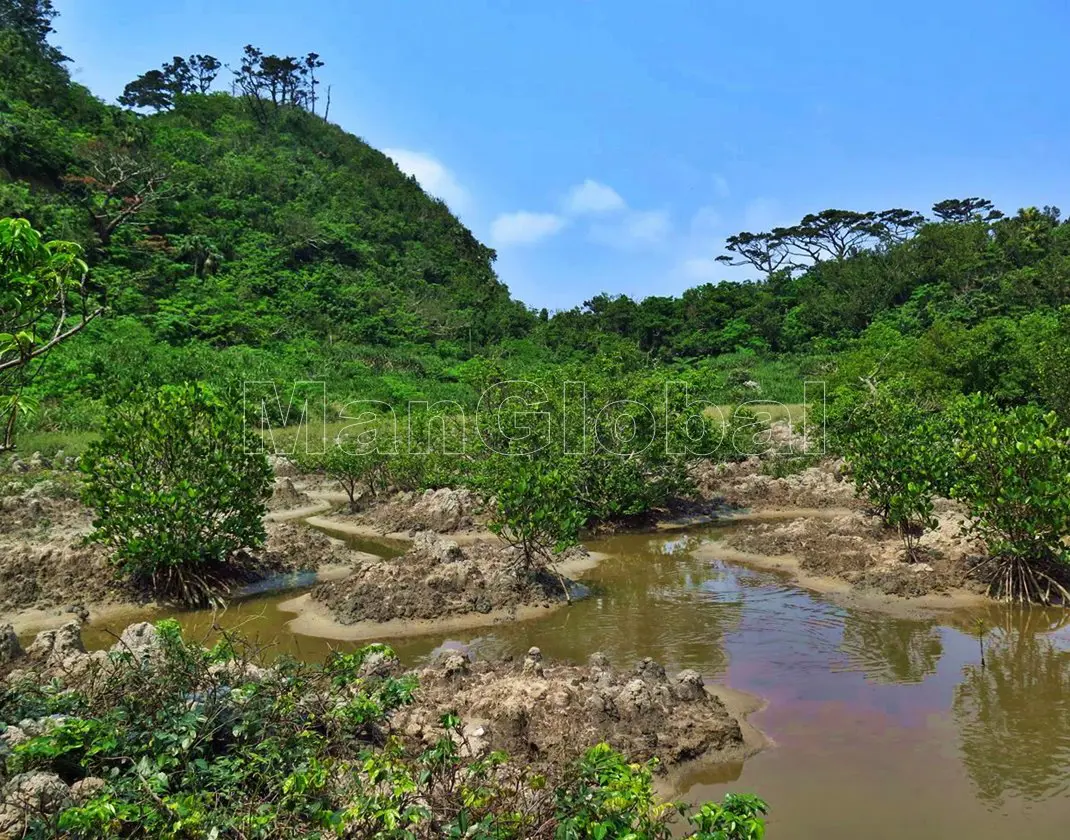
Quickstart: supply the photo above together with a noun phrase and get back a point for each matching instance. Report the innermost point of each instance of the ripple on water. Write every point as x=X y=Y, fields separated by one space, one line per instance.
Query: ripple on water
x=886 y=726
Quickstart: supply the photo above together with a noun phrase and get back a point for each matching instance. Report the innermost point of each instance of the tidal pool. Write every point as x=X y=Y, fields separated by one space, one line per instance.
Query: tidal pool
x=884 y=722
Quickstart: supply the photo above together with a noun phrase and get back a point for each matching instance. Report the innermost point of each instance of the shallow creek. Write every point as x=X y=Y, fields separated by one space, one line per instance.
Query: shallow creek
x=884 y=723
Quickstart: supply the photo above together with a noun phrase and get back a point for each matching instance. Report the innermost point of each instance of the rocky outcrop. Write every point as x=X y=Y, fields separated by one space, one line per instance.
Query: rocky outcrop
x=743 y=484
x=10 y=649
x=55 y=647
x=285 y=496
x=31 y=796
x=443 y=511
x=540 y=710
x=141 y=642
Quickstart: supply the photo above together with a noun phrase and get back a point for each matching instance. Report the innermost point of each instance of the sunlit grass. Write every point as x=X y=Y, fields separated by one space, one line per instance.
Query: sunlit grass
x=768 y=412
x=49 y=443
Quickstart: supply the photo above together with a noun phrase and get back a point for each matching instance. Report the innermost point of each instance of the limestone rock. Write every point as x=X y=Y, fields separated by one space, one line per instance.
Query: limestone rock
x=54 y=647
x=85 y=789
x=688 y=686
x=10 y=649
x=142 y=641
x=435 y=547
x=533 y=662
x=33 y=794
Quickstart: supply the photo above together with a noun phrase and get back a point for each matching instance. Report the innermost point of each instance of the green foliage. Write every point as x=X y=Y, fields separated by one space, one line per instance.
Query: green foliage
x=892 y=447
x=209 y=743
x=613 y=799
x=1013 y=475
x=534 y=505
x=739 y=817
x=43 y=300
x=354 y=470
x=175 y=492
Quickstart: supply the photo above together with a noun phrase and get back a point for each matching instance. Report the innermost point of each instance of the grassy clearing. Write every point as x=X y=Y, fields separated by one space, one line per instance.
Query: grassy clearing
x=769 y=412
x=49 y=443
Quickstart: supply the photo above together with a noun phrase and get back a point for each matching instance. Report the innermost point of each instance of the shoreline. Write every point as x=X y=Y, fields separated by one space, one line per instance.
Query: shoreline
x=311 y=618
x=842 y=590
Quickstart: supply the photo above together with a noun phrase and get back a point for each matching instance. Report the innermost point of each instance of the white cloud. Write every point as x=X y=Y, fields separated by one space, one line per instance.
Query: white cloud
x=761 y=214
x=593 y=197
x=524 y=228
x=434 y=177
x=720 y=186
x=650 y=226
x=638 y=229
x=705 y=223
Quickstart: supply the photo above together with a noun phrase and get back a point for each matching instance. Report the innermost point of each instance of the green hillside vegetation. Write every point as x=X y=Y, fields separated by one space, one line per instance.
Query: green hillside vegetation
x=228 y=234
x=245 y=236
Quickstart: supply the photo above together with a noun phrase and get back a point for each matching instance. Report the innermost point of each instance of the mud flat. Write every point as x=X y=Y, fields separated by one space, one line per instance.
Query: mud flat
x=46 y=580
x=436 y=586
x=857 y=552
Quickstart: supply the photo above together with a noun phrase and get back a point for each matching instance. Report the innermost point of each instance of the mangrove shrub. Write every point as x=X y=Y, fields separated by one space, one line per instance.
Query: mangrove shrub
x=1013 y=475
x=175 y=492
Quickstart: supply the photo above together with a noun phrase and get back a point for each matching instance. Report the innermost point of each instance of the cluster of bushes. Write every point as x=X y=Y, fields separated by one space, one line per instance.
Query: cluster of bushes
x=1010 y=469
x=553 y=454
x=188 y=742
x=176 y=492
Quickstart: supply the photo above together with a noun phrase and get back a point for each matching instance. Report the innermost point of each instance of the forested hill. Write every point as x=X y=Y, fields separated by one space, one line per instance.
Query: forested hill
x=240 y=235
x=236 y=219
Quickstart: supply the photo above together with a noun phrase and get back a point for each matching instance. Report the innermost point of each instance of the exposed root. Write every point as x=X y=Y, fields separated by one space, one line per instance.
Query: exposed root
x=1023 y=580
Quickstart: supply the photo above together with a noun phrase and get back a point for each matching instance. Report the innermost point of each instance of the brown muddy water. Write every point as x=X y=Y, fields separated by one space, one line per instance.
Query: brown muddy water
x=885 y=724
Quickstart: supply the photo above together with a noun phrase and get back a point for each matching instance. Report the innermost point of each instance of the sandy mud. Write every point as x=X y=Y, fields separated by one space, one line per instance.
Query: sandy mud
x=439 y=580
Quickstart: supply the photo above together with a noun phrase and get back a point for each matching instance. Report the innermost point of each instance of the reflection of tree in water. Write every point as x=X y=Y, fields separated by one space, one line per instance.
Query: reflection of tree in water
x=666 y=604
x=1014 y=714
x=891 y=650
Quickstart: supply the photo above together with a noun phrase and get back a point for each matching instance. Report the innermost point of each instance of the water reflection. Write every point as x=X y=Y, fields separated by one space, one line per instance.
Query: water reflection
x=1013 y=713
x=650 y=597
x=893 y=716
x=889 y=650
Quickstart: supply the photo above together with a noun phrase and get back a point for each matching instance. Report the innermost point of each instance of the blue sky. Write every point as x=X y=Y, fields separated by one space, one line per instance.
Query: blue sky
x=612 y=145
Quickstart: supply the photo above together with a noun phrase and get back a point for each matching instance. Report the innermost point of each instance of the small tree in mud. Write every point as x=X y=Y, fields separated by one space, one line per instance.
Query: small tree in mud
x=354 y=471
x=534 y=507
x=1013 y=474
x=175 y=493
x=891 y=445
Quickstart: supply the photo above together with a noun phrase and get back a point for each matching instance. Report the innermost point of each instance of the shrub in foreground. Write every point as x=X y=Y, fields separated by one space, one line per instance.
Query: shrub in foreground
x=191 y=743
x=175 y=493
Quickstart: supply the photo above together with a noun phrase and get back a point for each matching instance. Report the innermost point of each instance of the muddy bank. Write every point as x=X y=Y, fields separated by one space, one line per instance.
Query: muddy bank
x=457 y=512
x=545 y=711
x=438 y=579
x=49 y=578
x=855 y=550
x=813 y=525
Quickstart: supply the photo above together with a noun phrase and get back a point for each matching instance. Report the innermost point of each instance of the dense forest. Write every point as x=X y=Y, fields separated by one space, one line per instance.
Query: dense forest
x=228 y=225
